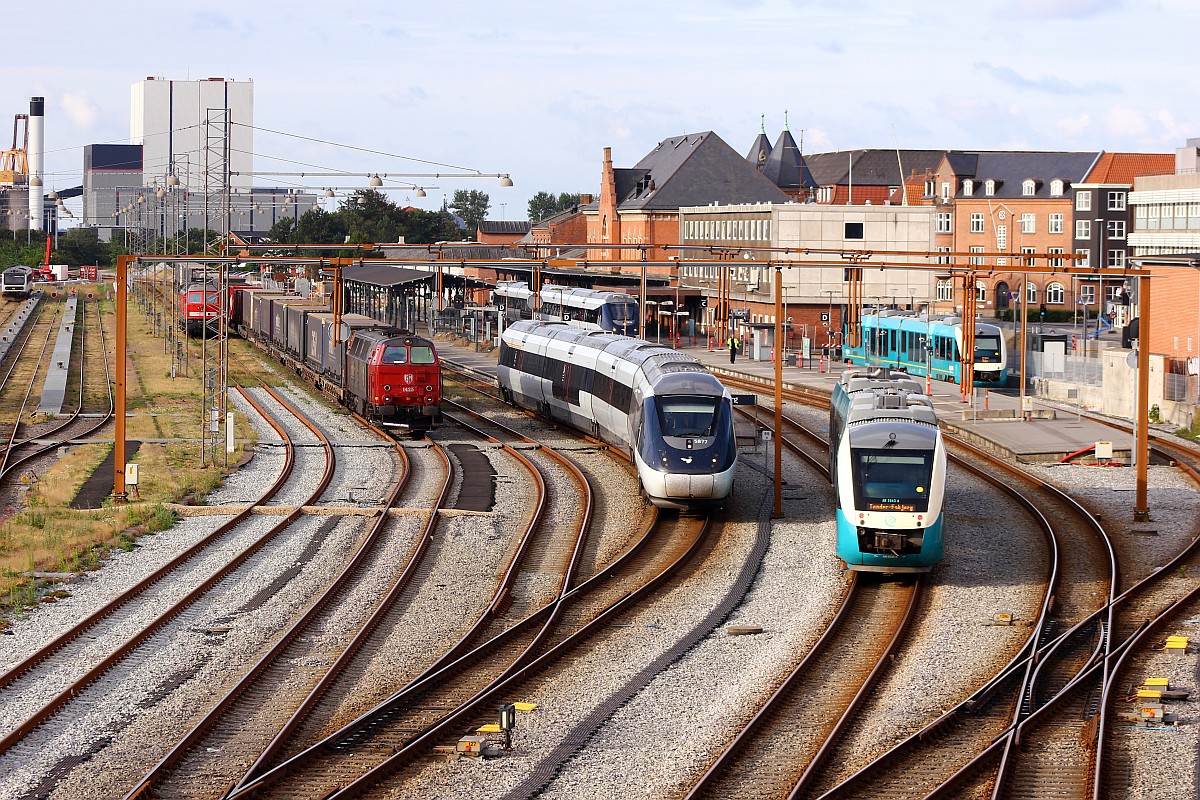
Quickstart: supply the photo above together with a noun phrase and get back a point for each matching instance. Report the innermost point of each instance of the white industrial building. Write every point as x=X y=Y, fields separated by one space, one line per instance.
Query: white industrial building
x=182 y=127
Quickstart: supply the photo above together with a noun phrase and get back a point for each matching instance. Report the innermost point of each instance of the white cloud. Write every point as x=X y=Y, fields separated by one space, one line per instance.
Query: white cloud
x=80 y=109
x=1074 y=126
x=1064 y=9
x=1126 y=123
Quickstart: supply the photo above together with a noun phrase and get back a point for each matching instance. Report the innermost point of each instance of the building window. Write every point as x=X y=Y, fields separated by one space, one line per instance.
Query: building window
x=943 y=259
x=929 y=187
x=1001 y=237
x=1116 y=201
x=944 y=222
x=1086 y=261
x=1056 y=223
x=1030 y=292
x=854 y=230
x=1029 y=223
x=1055 y=294
x=989 y=187
x=1116 y=258
x=1087 y=294
x=976 y=260
x=977 y=222
x=1055 y=251
x=1028 y=252
x=1083 y=229
x=946 y=192
x=1028 y=188
x=980 y=292
x=945 y=290
x=1116 y=229
x=1056 y=188
x=1083 y=201
x=968 y=188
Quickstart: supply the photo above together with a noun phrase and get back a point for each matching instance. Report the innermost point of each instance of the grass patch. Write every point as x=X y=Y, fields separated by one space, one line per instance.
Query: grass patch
x=48 y=536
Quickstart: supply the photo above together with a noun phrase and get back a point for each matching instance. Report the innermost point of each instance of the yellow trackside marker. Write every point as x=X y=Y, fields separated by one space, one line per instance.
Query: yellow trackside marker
x=1157 y=683
x=491 y=727
x=1143 y=694
x=525 y=706
x=1177 y=643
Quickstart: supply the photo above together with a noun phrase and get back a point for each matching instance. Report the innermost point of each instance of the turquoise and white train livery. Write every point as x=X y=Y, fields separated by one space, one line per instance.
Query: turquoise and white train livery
x=887 y=462
x=917 y=345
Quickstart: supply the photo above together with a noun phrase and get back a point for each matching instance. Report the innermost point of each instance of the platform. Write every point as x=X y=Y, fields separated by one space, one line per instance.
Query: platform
x=988 y=419
x=54 y=391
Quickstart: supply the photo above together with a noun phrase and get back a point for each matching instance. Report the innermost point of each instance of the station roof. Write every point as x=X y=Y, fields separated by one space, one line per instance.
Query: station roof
x=385 y=275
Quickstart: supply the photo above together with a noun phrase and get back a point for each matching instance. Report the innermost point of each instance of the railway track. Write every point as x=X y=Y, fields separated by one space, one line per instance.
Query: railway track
x=526 y=647
x=273 y=703
x=22 y=453
x=1066 y=643
x=58 y=673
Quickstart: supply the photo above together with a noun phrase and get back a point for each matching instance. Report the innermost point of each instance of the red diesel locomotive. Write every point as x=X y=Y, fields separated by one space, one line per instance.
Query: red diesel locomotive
x=394 y=377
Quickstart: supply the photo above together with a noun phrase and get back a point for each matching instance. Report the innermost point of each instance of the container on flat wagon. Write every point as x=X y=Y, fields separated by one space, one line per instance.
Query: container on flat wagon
x=260 y=314
x=279 y=317
x=321 y=353
x=296 y=338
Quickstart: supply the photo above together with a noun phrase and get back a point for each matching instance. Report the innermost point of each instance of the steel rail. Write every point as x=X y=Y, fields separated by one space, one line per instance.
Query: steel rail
x=126 y=648
x=149 y=782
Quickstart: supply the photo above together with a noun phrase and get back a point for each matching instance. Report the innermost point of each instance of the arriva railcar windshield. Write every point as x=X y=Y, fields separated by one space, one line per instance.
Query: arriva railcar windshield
x=987 y=348
x=687 y=415
x=891 y=480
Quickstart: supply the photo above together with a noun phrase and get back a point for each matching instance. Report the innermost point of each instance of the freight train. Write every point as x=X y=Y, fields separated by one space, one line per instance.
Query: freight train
x=887 y=463
x=594 y=309
x=919 y=344
x=662 y=407
x=391 y=377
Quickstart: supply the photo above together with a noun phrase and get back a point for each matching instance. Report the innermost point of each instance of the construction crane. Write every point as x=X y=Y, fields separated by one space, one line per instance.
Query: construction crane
x=14 y=163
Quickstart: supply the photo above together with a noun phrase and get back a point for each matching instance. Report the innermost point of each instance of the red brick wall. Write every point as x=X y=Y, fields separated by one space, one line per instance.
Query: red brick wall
x=1175 y=304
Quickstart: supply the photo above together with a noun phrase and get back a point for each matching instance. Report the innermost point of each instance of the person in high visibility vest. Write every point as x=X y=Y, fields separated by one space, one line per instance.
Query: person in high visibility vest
x=735 y=344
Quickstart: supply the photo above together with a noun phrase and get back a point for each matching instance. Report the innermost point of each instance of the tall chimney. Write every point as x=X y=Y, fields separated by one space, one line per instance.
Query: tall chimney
x=36 y=155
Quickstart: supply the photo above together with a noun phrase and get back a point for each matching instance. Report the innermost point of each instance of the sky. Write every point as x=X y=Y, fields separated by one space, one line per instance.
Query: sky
x=537 y=90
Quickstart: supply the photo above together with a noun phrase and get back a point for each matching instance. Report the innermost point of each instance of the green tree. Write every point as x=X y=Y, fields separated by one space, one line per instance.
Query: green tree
x=542 y=205
x=472 y=206
x=545 y=204
x=81 y=246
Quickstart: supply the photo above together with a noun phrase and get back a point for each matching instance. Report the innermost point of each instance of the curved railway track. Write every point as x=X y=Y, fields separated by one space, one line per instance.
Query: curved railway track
x=269 y=705
x=61 y=670
x=1068 y=633
x=525 y=647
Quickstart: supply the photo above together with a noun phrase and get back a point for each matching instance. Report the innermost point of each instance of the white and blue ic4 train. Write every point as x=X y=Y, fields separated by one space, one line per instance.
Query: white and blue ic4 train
x=662 y=407
x=888 y=468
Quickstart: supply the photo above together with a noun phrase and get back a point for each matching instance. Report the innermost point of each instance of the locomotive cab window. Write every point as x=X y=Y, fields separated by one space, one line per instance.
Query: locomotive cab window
x=394 y=354
x=892 y=480
x=421 y=354
x=687 y=415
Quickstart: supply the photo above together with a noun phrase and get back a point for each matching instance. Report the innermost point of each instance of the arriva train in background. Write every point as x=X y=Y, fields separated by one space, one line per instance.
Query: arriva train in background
x=661 y=406
x=887 y=463
x=898 y=340
x=594 y=309
x=16 y=281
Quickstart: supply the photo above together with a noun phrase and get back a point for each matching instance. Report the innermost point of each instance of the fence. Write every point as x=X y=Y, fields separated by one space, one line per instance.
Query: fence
x=1084 y=370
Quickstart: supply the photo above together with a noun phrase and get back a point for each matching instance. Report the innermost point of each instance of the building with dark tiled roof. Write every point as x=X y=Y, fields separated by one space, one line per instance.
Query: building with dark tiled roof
x=786 y=169
x=1012 y=202
x=858 y=177
x=502 y=231
x=640 y=205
